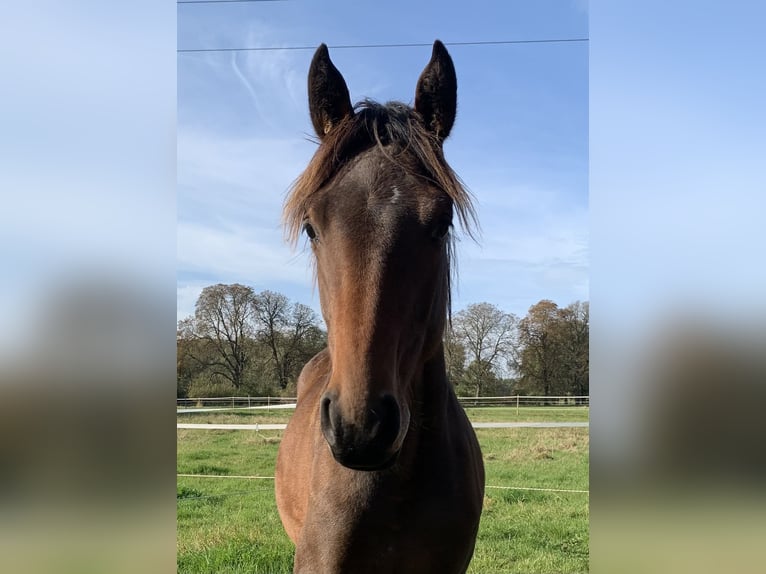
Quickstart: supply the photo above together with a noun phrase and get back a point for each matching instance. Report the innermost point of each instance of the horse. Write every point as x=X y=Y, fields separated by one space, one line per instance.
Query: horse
x=379 y=469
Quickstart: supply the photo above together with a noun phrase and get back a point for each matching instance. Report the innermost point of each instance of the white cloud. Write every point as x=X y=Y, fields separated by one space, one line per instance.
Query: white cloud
x=253 y=173
x=252 y=255
x=532 y=226
x=186 y=298
x=534 y=242
x=231 y=192
x=534 y=245
x=277 y=73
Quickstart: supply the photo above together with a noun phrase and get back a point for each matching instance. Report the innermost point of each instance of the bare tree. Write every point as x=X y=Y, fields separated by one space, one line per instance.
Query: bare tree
x=221 y=328
x=286 y=330
x=271 y=310
x=487 y=335
x=257 y=342
x=300 y=331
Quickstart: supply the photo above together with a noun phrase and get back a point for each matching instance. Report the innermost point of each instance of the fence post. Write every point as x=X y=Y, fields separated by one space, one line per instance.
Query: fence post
x=268 y=404
x=517 y=404
x=248 y=401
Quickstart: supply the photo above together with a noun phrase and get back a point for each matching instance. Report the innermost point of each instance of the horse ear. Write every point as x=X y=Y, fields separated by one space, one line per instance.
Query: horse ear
x=329 y=101
x=436 y=94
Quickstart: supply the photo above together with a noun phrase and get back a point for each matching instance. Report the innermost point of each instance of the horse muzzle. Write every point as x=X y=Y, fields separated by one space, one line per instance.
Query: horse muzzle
x=368 y=442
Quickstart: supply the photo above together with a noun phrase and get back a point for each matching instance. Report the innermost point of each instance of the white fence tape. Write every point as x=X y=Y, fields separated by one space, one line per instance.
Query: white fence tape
x=532 y=488
x=225 y=409
x=266 y=426
x=202 y=404
x=217 y=426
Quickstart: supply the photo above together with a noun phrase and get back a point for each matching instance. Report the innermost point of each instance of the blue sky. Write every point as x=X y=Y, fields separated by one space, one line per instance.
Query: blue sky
x=520 y=141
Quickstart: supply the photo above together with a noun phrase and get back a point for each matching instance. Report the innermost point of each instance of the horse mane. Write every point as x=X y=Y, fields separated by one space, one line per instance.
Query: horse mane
x=393 y=125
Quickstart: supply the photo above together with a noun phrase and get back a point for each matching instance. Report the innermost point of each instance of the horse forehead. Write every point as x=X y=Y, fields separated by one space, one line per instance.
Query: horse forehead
x=386 y=191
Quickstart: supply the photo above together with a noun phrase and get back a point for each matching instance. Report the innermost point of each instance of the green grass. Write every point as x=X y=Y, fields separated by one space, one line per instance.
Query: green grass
x=476 y=414
x=229 y=525
x=528 y=414
x=232 y=526
x=532 y=531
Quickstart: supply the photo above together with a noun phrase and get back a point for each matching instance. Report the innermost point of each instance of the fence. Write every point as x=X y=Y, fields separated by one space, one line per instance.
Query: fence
x=507 y=401
x=526 y=401
x=234 y=402
x=246 y=477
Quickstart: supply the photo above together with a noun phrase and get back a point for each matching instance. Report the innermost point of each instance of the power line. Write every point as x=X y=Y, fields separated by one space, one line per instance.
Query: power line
x=362 y=46
x=223 y=1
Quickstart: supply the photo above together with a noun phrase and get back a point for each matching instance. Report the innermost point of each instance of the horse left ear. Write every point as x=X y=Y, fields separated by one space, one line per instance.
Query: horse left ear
x=436 y=94
x=329 y=101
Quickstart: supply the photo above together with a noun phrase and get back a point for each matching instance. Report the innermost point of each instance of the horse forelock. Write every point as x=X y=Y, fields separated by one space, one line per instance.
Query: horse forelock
x=399 y=131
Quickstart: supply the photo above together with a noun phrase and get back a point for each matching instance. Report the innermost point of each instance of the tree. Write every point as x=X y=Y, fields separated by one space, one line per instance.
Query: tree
x=553 y=349
x=487 y=335
x=240 y=341
x=290 y=332
x=539 y=357
x=575 y=332
x=301 y=340
x=454 y=357
x=221 y=330
x=271 y=311
x=187 y=367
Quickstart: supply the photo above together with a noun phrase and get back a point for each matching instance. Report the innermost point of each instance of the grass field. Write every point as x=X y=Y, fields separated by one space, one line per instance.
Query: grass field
x=231 y=525
x=476 y=414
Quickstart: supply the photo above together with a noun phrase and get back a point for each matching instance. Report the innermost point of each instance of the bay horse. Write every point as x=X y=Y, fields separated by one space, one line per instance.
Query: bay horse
x=379 y=469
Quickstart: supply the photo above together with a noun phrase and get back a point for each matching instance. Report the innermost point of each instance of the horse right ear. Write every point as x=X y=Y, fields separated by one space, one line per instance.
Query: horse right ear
x=329 y=102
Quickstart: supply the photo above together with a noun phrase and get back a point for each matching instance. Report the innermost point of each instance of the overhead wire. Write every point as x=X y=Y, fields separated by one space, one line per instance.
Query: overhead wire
x=390 y=45
x=223 y=1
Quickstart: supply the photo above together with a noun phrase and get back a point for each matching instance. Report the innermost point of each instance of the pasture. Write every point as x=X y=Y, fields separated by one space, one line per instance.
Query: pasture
x=476 y=414
x=231 y=525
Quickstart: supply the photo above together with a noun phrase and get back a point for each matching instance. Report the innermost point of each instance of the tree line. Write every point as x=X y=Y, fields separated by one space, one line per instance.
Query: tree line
x=490 y=352
x=240 y=342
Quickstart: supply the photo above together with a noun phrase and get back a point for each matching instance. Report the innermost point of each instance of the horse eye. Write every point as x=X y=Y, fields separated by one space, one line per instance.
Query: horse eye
x=441 y=229
x=309 y=231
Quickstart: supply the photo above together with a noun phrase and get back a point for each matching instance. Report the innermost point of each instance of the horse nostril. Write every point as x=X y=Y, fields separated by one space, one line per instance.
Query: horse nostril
x=364 y=441
x=326 y=420
x=388 y=420
x=377 y=415
x=325 y=408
